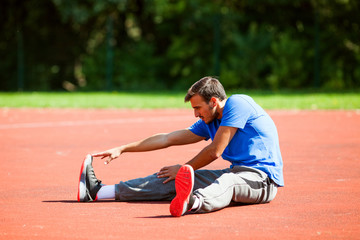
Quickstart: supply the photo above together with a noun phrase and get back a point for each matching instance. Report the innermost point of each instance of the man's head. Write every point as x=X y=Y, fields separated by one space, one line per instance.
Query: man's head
x=207 y=87
x=207 y=99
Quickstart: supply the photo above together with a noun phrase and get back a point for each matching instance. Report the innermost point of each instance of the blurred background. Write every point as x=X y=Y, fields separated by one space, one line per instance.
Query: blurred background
x=140 y=45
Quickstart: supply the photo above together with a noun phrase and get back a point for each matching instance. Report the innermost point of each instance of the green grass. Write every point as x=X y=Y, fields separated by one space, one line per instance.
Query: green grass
x=280 y=100
x=309 y=101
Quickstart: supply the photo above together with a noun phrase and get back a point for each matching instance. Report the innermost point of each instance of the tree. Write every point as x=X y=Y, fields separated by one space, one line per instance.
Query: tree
x=165 y=44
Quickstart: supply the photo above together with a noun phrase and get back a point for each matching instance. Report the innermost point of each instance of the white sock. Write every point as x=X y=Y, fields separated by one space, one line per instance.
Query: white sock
x=106 y=192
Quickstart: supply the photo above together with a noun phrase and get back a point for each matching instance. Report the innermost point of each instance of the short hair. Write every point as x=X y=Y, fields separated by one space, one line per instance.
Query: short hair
x=206 y=87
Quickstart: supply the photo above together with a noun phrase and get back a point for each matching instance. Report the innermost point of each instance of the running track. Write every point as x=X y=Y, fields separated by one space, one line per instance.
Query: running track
x=42 y=150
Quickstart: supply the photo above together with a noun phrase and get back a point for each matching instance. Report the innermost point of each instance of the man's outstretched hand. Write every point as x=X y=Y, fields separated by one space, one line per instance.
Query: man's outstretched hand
x=111 y=154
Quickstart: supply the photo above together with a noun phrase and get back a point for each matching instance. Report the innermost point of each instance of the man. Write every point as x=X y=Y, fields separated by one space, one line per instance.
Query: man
x=241 y=132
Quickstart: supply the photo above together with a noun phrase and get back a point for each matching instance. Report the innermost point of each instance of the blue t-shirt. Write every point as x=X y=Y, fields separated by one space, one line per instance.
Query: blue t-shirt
x=255 y=143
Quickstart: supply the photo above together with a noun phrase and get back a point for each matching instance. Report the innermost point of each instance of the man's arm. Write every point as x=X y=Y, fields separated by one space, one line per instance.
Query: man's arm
x=158 y=141
x=214 y=150
x=206 y=156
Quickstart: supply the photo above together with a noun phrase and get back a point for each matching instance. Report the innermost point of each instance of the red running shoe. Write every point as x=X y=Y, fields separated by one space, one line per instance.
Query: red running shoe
x=184 y=183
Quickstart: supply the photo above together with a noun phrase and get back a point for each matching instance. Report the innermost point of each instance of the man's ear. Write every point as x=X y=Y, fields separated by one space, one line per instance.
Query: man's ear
x=213 y=101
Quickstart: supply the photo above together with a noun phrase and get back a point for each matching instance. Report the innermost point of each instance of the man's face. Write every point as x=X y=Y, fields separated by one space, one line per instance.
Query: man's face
x=204 y=111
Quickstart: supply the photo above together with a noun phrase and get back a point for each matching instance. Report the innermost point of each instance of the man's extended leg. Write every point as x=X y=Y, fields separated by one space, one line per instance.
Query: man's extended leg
x=148 y=188
x=139 y=189
x=145 y=189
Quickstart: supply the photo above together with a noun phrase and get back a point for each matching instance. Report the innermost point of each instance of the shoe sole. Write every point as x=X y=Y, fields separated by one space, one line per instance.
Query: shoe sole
x=82 y=179
x=184 y=183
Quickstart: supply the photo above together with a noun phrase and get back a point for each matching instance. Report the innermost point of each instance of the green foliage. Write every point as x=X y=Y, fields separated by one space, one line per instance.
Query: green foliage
x=287 y=63
x=247 y=62
x=163 y=44
x=136 y=67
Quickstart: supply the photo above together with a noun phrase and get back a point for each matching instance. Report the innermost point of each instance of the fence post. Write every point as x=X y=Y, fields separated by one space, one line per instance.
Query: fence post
x=317 y=53
x=20 y=60
x=109 y=54
x=217 y=41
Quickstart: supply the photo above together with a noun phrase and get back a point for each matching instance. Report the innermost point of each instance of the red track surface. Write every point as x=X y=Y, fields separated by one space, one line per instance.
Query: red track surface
x=42 y=150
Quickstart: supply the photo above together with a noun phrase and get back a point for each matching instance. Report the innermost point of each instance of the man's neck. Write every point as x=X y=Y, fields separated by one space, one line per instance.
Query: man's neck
x=220 y=108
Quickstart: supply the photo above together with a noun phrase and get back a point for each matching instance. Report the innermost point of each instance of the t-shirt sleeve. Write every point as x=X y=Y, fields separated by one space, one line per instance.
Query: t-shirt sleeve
x=236 y=113
x=199 y=128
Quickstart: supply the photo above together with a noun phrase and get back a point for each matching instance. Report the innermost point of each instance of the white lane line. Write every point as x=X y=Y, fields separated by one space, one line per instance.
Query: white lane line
x=93 y=122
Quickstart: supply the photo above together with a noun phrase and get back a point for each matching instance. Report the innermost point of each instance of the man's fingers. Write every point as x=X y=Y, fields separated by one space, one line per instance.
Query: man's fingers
x=98 y=154
x=164 y=169
x=163 y=173
x=168 y=180
x=110 y=158
x=104 y=155
x=101 y=154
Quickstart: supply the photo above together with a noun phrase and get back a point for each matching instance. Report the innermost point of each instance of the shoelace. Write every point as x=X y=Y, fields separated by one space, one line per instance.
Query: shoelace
x=92 y=176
